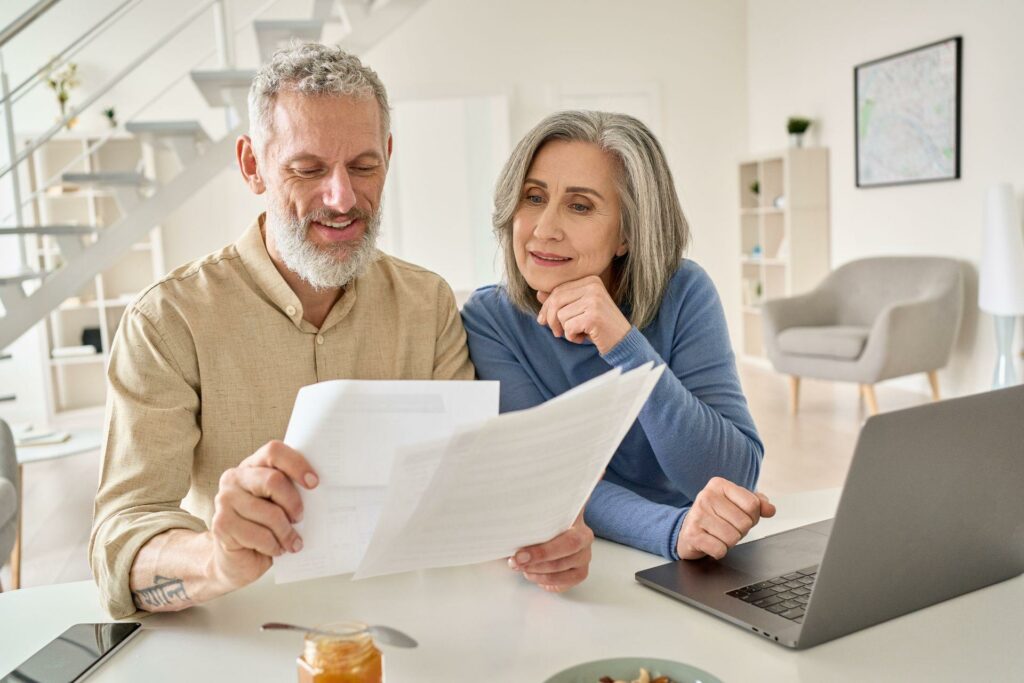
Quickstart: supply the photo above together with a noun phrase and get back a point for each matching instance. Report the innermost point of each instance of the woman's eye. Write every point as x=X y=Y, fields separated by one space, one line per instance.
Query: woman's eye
x=579 y=208
x=533 y=199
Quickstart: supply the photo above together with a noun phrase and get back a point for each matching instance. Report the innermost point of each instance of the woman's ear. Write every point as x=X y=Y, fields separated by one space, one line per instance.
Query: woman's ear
x=622 y=250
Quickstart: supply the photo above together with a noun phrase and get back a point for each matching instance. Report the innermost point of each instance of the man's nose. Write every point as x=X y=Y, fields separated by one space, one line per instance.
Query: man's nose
x=339 y=193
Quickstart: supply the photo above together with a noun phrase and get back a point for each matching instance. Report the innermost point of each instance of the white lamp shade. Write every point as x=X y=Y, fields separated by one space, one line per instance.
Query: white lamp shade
x=1001 y=273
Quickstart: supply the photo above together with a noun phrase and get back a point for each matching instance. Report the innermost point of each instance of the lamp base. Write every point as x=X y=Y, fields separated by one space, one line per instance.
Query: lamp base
x=1005 y=374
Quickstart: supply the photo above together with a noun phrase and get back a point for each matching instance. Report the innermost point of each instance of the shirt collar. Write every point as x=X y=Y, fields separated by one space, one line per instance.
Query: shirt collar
x=252 y=248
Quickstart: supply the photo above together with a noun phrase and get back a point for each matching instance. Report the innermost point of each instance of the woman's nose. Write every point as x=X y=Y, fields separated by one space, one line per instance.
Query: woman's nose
x=547 y=225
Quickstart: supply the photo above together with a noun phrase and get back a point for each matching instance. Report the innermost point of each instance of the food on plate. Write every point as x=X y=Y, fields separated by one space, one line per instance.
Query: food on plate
x=645 y=677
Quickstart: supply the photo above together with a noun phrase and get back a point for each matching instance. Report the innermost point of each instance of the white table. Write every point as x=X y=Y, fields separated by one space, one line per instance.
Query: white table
x=79 y=441
x=485 y=623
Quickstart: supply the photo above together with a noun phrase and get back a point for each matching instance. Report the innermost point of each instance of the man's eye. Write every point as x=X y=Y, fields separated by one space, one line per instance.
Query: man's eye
x=364 y=169
x=307 y=172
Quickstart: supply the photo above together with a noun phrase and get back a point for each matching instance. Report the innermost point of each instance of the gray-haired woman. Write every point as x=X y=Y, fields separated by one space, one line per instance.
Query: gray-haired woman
x=593 y=236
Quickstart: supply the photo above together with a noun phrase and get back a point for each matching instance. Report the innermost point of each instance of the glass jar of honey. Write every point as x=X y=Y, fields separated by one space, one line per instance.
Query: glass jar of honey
x=348 y=657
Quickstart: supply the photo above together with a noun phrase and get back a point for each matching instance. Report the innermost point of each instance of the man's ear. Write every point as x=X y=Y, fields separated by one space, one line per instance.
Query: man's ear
x=246 y=155
x=391 y=141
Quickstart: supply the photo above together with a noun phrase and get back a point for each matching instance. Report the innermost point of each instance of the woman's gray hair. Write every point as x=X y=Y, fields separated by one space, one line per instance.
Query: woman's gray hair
x=313 y=69
x=652 y=222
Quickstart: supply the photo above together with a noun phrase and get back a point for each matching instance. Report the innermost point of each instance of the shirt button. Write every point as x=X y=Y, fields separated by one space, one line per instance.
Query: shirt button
x=290 y=310
x=320 y=339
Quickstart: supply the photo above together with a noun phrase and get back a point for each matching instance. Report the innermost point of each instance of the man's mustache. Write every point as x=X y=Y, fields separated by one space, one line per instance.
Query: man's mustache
x=320 y=215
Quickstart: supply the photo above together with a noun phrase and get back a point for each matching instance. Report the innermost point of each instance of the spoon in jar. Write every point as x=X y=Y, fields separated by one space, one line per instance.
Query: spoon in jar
x=382 y=634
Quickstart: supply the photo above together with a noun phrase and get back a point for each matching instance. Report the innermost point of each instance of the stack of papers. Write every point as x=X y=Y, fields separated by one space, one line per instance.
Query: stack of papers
x=40 y=439
x=73 y=351
x=446 y=482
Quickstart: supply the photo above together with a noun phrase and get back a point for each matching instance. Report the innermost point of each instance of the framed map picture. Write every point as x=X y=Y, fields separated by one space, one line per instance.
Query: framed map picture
x=908 y=116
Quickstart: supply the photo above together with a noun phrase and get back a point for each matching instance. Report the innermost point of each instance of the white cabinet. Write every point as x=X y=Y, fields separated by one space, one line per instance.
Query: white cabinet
x=74 y=376
x=784 y=232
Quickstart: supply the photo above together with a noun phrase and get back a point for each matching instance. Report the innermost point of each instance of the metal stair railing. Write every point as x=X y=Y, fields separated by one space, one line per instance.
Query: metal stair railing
x=73 y=48
x=23 y=21
x=18 y=157
x=101 y=140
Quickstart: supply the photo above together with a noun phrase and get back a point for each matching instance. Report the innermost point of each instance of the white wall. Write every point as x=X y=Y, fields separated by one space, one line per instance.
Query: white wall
x=542 y=52
x=801 y=58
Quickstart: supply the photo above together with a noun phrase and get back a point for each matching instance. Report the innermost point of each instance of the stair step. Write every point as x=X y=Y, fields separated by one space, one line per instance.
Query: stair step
x=50 y=230
x=107 y=178
x=216 y=83
x=167 y=129
x=370 y=22
x=325 y=10
x=20 y=277
x=273 y=34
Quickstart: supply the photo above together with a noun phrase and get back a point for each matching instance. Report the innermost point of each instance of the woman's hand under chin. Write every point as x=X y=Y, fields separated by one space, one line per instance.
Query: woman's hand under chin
x=583 y=309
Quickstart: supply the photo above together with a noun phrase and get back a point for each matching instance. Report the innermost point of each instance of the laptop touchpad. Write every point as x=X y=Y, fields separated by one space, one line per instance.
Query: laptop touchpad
x=778 y=554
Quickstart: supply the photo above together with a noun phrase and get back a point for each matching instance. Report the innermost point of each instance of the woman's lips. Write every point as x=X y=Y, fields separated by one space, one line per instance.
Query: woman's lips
x=548 y=260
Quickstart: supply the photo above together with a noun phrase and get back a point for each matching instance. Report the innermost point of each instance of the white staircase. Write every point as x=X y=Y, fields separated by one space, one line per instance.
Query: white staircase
x=271 y=35
x=186 y=139
x=143 y=203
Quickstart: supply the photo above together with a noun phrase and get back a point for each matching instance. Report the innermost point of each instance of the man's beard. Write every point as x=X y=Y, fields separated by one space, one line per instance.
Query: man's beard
x=323 y=266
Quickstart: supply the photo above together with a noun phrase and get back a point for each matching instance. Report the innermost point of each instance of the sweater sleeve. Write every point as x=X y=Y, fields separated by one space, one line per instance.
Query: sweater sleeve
x=495 y=360
x=696 y=419
x=618 y=514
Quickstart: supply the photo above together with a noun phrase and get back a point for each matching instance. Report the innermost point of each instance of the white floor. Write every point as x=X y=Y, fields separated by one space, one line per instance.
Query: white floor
x=806 y=452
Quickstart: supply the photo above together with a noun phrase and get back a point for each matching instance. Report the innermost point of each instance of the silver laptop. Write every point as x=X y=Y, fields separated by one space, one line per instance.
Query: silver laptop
x=933 y=507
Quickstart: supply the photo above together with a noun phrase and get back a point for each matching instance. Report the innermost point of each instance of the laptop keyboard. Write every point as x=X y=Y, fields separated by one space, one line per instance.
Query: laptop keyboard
x=785 y=595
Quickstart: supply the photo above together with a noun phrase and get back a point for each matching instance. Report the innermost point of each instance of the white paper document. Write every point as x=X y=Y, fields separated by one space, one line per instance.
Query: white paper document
x=414 y=477
x=349 y=431
x=516 y=480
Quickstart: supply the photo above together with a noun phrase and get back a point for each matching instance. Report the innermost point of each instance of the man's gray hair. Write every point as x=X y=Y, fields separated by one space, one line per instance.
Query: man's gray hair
x=312 y=69
x=652 y=222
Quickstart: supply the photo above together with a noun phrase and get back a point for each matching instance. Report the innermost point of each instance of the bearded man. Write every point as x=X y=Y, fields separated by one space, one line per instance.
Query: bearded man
x=196 y=497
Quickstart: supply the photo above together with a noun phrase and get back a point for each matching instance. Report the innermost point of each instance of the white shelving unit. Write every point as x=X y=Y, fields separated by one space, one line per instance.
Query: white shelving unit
x=784 y=232
x=78 y=382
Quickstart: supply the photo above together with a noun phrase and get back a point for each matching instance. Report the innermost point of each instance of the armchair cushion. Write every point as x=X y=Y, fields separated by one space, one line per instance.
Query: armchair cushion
x=840 y=341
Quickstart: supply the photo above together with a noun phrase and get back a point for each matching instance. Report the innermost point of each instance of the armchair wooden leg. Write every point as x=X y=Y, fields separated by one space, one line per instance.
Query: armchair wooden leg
x=794 y=394
x=933 y=379
x=868 y=392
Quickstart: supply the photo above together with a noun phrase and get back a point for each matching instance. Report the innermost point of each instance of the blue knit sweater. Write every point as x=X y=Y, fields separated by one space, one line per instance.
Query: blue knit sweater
x=694 y=426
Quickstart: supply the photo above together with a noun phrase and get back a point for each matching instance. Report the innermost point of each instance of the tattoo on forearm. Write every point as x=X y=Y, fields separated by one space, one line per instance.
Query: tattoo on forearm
x=164 y=591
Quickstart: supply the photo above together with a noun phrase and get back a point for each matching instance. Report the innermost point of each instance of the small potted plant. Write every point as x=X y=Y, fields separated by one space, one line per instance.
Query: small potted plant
x=797 y=126
x=111 y=116
x=61 y=81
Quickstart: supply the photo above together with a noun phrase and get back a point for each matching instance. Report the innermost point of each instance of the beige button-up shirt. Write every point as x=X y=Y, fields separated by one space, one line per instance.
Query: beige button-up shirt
x=205 y=368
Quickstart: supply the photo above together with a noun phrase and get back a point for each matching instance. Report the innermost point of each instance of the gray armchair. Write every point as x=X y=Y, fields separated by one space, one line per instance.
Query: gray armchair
x=8 y=493
x=869 y=320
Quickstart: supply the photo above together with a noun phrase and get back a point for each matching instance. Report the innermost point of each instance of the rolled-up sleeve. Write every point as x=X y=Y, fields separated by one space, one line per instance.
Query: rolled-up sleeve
x=152 y=430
